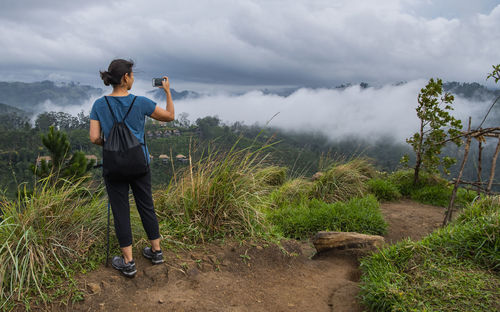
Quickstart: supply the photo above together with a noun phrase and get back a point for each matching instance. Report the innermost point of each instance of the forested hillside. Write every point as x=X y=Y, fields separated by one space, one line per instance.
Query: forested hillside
x=303 y=152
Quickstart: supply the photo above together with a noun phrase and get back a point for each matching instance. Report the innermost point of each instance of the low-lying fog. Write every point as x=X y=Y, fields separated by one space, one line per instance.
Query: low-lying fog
x=372 y=112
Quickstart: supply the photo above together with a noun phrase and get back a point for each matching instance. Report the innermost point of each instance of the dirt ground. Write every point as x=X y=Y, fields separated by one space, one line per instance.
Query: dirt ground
x=249 y=277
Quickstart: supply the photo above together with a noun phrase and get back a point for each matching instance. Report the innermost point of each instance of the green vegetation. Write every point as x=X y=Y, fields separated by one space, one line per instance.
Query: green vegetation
x=302 y=219
x=453 y=269
x=292 y=191
x=254 y=185
x=384 y=190
x=46 y=238
x=342 y=182
x=436 y=125
x=62 y=165
x=431 y=189
x=217 y=197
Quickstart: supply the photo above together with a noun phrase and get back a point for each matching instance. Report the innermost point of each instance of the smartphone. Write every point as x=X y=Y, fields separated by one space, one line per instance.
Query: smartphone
x=157 y=82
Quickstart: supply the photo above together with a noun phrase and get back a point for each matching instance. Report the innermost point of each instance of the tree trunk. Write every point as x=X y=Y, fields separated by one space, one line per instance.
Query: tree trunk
x=457 y=182
x=479 y=167
x=418 y=161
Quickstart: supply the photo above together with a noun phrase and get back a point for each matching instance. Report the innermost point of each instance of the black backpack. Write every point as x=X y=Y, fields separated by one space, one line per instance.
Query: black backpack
x=122 y=154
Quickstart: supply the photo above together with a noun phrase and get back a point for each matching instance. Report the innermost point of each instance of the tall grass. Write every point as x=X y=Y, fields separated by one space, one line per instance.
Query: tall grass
x=453 y=269
x=46 y=234
x=219 y=196
x=342 y=182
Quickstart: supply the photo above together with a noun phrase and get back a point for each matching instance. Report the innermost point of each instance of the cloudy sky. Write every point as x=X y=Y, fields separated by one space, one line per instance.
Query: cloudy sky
x=312 y=43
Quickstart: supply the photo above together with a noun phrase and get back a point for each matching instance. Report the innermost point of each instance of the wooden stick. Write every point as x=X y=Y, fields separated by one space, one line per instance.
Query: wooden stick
x=455 y=188
x=493 y=165
x=480 y=153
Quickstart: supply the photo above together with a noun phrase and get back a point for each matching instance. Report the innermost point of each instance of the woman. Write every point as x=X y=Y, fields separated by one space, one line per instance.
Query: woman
x=121 y=77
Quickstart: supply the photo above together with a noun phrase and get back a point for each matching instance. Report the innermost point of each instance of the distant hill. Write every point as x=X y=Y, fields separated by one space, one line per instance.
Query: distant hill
x=7 y=109
x=159 y=94
x=472 y=91
x=28 y=96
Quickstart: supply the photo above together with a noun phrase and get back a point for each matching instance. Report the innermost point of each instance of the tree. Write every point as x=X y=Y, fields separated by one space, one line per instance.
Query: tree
x=495 y=74
x=436 y=125
x=62 y=164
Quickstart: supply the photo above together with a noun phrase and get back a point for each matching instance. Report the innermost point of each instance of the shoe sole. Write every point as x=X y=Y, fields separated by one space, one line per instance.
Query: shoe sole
x=153 y=261
x=127 y=274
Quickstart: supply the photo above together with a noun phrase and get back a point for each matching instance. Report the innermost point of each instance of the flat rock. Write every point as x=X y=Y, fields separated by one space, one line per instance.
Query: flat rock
x=324 y=241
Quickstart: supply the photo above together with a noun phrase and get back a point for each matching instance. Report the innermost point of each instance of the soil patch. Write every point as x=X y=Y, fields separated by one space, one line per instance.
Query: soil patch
x=249 y=277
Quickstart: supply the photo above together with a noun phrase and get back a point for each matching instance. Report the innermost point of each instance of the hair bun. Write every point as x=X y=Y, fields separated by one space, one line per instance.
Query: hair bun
x=116 y=70
x=106 y=77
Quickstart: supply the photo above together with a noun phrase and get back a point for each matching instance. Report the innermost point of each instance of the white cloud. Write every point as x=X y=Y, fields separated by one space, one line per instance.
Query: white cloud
x=369 y=113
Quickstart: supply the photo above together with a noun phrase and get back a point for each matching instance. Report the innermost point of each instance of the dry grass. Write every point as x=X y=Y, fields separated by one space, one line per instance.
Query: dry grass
x=342 y=182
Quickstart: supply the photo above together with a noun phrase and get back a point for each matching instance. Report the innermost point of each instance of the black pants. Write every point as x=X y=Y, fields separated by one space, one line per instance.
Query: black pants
x=118 y=197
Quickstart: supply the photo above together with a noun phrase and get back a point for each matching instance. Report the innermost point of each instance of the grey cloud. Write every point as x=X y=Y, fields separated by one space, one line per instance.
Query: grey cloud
x=303 y=42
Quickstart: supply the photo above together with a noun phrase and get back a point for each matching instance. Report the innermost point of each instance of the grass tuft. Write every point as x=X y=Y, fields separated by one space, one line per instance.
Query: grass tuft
x=344 y=181
x=218 y=196
x=47 y=236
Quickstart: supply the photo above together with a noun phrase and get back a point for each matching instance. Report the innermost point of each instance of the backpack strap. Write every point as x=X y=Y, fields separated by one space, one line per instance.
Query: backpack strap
x=129 y=108
x=109 y=106
x=112 y=114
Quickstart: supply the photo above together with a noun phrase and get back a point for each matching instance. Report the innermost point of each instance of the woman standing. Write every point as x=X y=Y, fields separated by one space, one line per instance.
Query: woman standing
x=104 y=112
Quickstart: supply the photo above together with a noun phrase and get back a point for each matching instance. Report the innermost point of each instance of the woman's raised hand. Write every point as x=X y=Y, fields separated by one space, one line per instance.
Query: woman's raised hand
x=165 y=84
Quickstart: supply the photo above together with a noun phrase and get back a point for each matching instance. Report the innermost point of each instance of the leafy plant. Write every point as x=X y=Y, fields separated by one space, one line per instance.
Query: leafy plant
x=436 y=124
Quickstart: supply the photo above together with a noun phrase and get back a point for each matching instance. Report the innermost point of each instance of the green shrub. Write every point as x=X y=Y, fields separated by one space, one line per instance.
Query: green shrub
x=343 y=182
x=292 y=191
x=47 y=237
x=403 y=180
x=302 y=219
x=437 y=195
x=384 y=190
x=453 y=269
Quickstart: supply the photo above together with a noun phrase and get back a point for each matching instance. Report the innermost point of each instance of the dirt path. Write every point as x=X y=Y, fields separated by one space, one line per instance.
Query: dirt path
x=251 y=277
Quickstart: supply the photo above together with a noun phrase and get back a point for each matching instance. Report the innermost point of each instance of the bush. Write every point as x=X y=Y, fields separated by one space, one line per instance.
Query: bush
x=217 y=197
x=437 y=195
x=47 y=236
x=403 y=180
x=431 y=189
x=384 y=190
x=292 y=191
x=453 y=269
x=343 y=182
x=302 y=219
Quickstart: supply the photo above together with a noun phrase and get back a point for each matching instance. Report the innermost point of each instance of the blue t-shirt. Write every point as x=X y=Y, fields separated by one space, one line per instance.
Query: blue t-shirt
x=120 y=104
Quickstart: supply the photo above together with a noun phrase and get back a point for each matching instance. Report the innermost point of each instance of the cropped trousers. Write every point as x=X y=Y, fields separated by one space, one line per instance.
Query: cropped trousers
x=118 y=198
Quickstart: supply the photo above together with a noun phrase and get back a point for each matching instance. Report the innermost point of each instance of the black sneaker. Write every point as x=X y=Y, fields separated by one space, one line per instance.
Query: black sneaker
x=156 y=257
x=127 y=269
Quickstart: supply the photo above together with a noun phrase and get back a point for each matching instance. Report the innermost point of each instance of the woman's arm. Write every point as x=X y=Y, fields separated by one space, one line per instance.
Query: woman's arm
x=167 y=114
x=95 y=132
